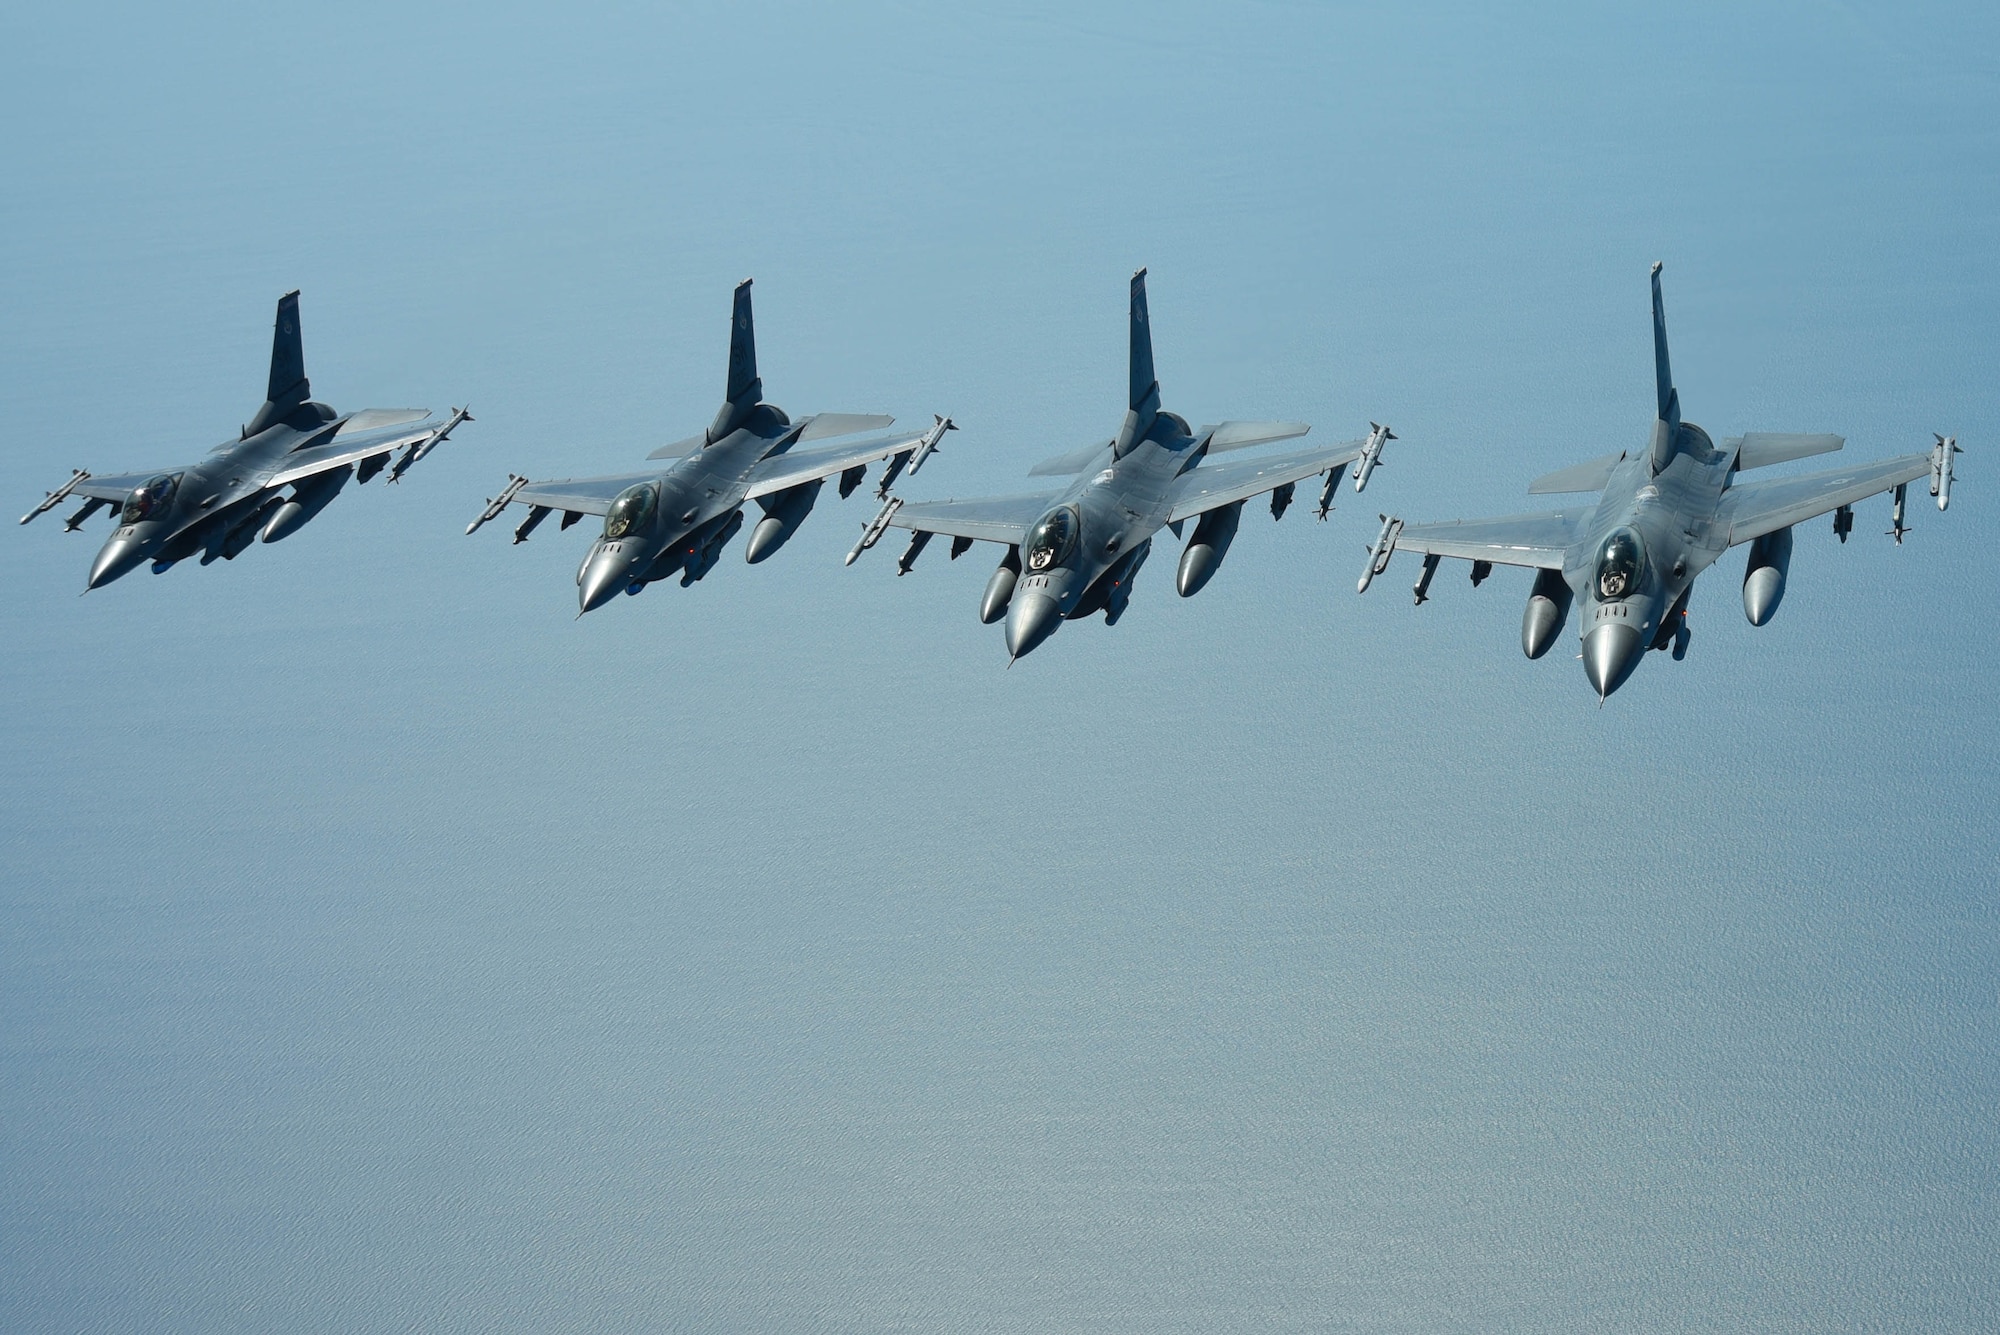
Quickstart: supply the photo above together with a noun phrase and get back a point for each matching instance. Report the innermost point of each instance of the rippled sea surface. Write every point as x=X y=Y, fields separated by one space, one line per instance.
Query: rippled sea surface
x=383 y=949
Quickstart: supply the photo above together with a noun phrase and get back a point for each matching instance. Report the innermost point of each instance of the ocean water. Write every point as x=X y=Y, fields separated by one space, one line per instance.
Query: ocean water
x=382 y=948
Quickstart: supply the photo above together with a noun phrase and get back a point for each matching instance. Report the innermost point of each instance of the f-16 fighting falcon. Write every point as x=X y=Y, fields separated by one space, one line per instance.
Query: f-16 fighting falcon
x=237 y=492
x=1074 y=552
x=1664 y=515
x=677 y=518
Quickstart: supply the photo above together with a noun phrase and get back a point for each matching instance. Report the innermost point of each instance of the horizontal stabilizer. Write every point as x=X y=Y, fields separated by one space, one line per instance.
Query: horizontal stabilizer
x=1076 y=461
x=369 y=419
x=823 y=425
x=1590 y=476
x=1760 y=449
x=1242 y=435
x=680 y=449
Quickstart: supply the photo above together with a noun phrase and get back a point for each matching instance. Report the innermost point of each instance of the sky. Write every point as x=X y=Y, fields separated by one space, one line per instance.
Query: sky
x=383 y=948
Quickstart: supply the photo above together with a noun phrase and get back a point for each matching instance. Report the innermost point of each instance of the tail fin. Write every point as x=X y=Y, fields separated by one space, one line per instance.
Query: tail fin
x=1143 y=385
x=288 y=355
x=288 y=386
x=742 y=348
x=1663 y=374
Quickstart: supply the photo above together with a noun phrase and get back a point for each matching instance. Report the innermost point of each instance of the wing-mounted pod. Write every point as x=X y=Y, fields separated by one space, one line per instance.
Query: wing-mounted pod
x=1897 y=528
x=1000 y=588
x=872 y=532
x=1371 y=458
x=932 y=439
x=784 y=511
x=1548 y=608
x=61 y=494
x=1378 y=555
x=1333 y=476
x=1941 y=455
x=911 y=459
x=417 y=449
x=1204 y=552
x=495 y=505
x=1764 y=575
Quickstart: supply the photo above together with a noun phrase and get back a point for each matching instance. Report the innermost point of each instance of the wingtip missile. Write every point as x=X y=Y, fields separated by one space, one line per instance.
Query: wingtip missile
x=422 y=446
x=59 y=495
x=1371 y=454
x=496 y=504
x=928 y=445
x=1941 y=455
x=1378 y=555
x=872 y=532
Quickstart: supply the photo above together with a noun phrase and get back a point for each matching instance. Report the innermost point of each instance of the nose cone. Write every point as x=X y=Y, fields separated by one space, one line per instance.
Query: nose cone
x=1031 y=618
x=604 y=578
x=1609 y=655
x=120 y=556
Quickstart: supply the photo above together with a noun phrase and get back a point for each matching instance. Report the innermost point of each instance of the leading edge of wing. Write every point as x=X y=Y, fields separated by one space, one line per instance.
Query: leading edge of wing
x=796 y=466
x=581 y=495
x=347 y=447
x=1752 y=509
x=1209 y=486
x=991 y=519
x=1537 y=541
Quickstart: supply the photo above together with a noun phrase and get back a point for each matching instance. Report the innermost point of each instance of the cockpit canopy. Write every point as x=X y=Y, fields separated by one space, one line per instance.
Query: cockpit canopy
x=1052 y=540
x=1620 y=563
x=633 y=508
x=151 y=499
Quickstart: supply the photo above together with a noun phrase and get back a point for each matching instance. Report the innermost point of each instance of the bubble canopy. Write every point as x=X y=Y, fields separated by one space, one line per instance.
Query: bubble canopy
x=1051 y=540
x=1620 y=562
x=151 y=499
x=630 y=511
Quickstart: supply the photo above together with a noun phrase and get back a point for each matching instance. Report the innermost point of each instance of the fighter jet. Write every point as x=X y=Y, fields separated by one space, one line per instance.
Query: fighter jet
x=1074 y=552
x=1664 y=515
x=676 y=518
x=238 y=491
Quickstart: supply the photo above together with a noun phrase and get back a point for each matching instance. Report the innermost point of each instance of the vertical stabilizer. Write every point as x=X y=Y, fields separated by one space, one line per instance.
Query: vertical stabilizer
x=1143 y=384
x=287 y=387
x=288 y=355
x=1663 y=374
x=742 y=347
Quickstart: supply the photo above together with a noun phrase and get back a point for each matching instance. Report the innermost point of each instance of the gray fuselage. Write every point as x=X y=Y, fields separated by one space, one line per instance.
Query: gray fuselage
x=695 y=507
x=1113 y=513
x=1625 y=611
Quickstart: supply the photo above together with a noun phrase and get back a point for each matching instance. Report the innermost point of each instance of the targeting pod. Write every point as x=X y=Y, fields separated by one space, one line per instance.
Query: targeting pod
x=498 y=503
x=59 y=495
x=1371 y=453
x=1379 y=554
x=1940 y=469
x=930 y=442
x=876 y=527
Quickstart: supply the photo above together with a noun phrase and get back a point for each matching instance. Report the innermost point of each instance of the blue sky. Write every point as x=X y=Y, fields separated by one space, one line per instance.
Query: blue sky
x=382 y=947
